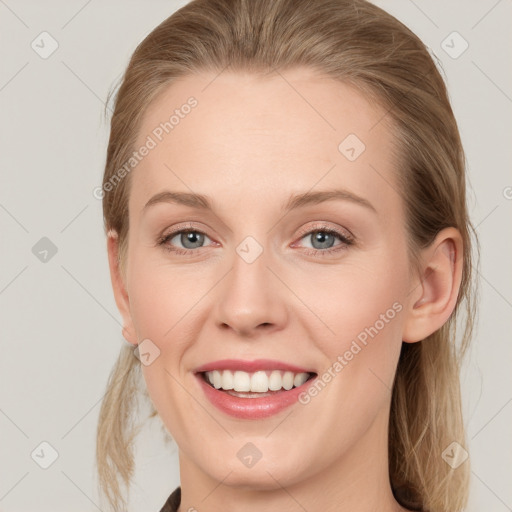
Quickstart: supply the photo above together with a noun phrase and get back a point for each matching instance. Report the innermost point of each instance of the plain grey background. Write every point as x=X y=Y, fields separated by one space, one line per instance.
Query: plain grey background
x=60 y=329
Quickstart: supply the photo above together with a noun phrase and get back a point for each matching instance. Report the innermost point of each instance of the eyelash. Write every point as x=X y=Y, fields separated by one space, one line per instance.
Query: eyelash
x=346 y=241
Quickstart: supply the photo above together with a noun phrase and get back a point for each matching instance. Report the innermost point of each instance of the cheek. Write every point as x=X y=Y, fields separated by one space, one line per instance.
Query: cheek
x=161 y=299
x=352 y=299
x=361 y=305
x=153 y=311
x=162 y=308
x=361 y=356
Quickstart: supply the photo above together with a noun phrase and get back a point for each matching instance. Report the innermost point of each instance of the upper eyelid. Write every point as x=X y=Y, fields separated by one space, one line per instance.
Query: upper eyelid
x=325 y=227
x=302 y=232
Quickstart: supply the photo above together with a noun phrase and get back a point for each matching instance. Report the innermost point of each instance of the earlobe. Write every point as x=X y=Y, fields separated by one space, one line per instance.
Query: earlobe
x=435 y=292
x=119 y=287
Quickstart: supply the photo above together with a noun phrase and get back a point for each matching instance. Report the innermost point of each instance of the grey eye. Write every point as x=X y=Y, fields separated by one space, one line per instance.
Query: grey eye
x=190 y=239
x=322 y=239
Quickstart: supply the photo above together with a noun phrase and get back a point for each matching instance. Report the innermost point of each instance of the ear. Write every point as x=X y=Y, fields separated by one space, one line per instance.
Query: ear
x=434 y=293
x=119 y=288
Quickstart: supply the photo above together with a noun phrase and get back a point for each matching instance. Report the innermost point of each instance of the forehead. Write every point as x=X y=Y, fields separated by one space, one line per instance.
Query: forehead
x=266 y=136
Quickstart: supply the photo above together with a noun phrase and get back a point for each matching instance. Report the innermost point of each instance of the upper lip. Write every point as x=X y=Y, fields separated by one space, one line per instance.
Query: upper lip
x=250 y=366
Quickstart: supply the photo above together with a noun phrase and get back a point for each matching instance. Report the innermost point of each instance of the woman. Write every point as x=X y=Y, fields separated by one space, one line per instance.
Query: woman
x=289 y=246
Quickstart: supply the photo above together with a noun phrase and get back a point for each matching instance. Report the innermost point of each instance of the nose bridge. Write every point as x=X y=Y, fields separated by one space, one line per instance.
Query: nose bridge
x=249 y=298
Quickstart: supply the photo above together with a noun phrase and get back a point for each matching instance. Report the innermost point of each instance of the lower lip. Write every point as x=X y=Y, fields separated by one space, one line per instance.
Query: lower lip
x=252 y=408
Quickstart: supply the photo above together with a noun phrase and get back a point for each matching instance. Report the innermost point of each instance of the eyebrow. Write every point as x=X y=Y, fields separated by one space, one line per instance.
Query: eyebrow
x=295 y=201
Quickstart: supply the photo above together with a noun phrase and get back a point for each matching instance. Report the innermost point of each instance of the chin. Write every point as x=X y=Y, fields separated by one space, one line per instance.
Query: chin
x=268 y=472
x=253 y=479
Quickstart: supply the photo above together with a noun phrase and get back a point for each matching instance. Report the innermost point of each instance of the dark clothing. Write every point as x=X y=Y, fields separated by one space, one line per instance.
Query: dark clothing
x=173 y=501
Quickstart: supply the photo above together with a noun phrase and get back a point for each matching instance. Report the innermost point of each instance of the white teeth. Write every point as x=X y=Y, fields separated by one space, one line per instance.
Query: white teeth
x=241 y=381
x=227 y=379
x=275 y=382
x=288 y=380
x=299 y=379
x=258 y=382
x=217 y=379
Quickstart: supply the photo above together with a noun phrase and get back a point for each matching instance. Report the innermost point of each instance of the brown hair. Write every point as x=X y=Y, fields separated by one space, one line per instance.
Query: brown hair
x=357 y=43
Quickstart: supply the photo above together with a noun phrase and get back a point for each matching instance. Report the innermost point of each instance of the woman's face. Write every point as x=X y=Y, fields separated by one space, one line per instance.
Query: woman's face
x=276 y=267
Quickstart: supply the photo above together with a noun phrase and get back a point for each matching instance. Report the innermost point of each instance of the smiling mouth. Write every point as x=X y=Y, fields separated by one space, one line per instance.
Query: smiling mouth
x=255 y=384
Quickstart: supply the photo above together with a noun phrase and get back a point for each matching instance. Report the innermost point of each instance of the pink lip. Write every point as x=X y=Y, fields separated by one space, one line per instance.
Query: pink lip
x=250 y=366
x=251 y=408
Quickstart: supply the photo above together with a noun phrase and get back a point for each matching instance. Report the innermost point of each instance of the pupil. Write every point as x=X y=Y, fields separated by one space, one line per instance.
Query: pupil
x=325 y=240
x=193 y=238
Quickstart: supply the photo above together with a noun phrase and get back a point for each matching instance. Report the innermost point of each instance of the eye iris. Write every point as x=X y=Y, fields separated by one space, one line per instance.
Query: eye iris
x=196 y=239
x=325 y=239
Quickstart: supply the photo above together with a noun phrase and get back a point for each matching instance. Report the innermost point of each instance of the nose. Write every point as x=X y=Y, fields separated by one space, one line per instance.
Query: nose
x=251 y=300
